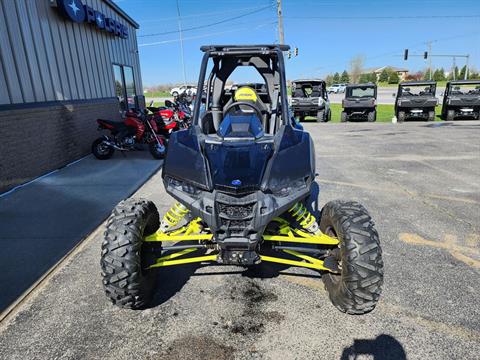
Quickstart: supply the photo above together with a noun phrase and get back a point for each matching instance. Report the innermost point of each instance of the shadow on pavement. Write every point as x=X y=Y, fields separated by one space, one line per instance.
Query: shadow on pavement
x=383 y=347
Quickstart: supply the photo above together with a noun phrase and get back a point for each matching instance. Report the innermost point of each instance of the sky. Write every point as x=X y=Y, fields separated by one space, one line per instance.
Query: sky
x=328 y=33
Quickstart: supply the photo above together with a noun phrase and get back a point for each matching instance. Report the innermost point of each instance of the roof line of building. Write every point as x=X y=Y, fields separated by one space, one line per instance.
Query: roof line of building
x=122 y=13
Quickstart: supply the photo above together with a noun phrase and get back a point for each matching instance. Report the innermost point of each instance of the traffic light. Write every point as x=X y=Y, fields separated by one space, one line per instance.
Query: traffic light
x=425 y=54
x=405 y=55
x=289 y=54
x=296 y=51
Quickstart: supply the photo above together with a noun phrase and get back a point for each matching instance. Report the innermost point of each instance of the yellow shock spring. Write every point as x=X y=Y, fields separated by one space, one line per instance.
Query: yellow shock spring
x=173 y=216
x=306 y=220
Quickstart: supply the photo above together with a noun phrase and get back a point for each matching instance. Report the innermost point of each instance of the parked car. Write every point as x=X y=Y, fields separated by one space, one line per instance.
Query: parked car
x=416 y=100
x=336 y=88
x=187 y=89
x=461 y=100
x=309 y=98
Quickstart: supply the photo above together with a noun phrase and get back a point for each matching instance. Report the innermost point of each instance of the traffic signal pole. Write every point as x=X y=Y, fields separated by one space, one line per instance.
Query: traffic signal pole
x=454 y=57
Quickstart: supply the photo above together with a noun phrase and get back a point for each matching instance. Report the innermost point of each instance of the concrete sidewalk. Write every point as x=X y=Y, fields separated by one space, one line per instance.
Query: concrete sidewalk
x=43 y=220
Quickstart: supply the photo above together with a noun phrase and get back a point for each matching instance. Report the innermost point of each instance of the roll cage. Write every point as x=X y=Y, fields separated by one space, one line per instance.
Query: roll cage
x=266 y=59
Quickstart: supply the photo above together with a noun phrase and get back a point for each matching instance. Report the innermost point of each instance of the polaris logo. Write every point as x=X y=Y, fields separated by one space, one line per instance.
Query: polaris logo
x=75 y=11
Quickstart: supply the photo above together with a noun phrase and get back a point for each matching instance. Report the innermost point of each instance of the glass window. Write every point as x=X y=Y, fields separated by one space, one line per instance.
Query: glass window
x=129 y=86
x=119 y=86
x=124 y=86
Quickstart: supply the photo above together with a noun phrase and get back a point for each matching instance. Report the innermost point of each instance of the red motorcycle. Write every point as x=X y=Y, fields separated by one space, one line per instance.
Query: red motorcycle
x=170 y=118
x=136 y=128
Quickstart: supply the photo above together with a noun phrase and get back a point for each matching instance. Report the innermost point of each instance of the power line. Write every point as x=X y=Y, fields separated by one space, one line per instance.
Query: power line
x=198 y=15
x=211 y=24
x=382 y=17
x=163 y=42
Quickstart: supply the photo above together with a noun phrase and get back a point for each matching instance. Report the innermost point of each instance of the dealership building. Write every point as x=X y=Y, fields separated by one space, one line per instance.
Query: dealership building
x=63 y=64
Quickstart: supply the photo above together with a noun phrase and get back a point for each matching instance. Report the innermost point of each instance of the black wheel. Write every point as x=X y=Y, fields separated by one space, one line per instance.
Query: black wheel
x=125 y=256
x=356 y=289
x=450 y=115
x=343 y=117
x=401 y=116
x=175 y=94
x=431 y=116
x=329 y=116
x=321 y=116
x=157 y=150
x=372 y=116
x=101 y=150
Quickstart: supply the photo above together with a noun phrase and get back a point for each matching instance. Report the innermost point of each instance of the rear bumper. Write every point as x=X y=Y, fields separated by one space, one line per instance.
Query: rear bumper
x=306 y=108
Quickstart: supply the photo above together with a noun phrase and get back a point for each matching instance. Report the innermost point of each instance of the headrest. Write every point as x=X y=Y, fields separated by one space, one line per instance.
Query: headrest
x=245 y=93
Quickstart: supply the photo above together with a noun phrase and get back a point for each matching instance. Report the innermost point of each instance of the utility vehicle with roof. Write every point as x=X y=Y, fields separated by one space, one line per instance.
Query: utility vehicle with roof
x=310 y=98
x=461 y=100
x=360 y=103
x=242 y=176
x=416 y=101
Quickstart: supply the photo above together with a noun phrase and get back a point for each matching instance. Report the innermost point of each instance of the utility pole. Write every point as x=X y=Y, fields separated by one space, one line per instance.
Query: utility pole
x=280 y=22
x=430 y=60
x=181 y=44
x=466 y=70
x=453 y=69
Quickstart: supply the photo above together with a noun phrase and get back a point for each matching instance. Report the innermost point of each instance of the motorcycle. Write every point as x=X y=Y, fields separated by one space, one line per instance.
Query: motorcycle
x=170 y=118
x=136 y=128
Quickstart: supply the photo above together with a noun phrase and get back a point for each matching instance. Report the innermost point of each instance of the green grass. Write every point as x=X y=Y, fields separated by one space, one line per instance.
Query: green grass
x=384 y=113
x=157 y=94
x=157 y=104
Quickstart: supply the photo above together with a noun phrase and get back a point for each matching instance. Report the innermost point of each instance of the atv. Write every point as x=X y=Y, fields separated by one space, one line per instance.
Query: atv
x=360 y=103
x=416 y=100
x=241 y=176
x=461 y=100
x=310 y=98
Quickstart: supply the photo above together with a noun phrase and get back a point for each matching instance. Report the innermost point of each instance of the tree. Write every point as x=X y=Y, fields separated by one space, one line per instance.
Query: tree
x=372 y=77
x=383 y=76
x=356 y=68
x=393 y=78
x=455 y=71
x=364 y=78
x=439 y=75
x=329 y=79
x=463 y=72
x=345 y=78
x=336 y=78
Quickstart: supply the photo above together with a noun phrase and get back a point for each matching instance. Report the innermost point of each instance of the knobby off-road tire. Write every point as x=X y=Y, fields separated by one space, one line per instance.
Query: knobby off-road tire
x=329 y=116
x=401 y=116
x=321 y=116
x=372 y=116
x=343 y=117
x=357 y=288
x=126 y=282
x=431 y=116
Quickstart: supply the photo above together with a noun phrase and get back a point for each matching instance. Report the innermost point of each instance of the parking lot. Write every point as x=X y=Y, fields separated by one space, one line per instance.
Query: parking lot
x=421 y=183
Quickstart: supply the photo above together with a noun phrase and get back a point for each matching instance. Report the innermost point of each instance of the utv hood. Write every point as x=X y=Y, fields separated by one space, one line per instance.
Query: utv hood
x=238 y=166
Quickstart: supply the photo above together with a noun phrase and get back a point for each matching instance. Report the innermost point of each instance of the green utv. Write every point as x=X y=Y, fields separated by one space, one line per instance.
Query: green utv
x=241 y=176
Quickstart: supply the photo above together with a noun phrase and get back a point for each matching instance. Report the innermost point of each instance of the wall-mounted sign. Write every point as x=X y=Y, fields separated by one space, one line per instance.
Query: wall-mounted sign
x=77 y=12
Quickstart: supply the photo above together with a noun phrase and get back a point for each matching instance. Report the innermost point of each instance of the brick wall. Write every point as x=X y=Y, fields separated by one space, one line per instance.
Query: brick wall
x=37 y=140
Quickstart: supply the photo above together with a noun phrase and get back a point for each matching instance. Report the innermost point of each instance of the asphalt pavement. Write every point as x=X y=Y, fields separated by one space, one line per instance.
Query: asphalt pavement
x=43 y=220
x=420 y=182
